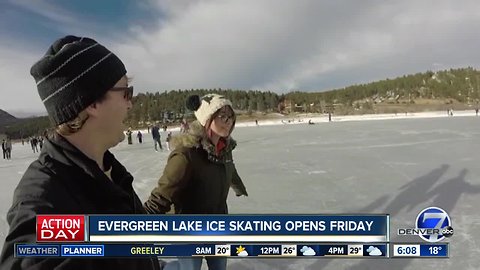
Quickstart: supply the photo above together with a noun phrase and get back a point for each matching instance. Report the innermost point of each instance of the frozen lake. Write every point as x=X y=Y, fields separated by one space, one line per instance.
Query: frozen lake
x=385 y=166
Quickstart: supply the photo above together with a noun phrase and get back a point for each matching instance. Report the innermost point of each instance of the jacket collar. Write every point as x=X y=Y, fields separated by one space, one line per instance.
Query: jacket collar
x=85 y=179
x=61 y=150
x=197 y=138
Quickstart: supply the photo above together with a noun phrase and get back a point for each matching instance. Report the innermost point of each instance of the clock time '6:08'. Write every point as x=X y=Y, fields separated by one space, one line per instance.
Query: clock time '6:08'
x=406 y=250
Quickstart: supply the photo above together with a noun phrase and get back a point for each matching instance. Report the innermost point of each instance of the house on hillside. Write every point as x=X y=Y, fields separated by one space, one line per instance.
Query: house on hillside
x=289 y=107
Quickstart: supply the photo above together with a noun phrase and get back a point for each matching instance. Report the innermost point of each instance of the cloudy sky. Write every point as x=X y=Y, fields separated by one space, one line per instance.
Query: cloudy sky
x=275 y=45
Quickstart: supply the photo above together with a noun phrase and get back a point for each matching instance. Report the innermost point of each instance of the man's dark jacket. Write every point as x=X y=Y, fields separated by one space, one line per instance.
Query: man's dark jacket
x=65 y=181
x=155 y=132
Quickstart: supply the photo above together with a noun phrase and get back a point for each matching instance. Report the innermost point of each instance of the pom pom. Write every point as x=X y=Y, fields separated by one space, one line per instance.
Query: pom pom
x=193 y=102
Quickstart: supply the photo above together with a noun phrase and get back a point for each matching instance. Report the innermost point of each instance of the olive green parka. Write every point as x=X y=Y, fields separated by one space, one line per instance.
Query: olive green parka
x=195 y=179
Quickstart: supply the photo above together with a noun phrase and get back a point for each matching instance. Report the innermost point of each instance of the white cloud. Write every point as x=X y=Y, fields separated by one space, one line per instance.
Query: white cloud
x=309 y=252
x=243 y=254
x=173 y=7
x=283 y=45
x=287 y=45
x=18 y=90
x=375 y=252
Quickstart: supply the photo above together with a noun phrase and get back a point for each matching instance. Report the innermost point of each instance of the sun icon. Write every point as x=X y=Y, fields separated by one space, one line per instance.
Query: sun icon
x=240 y=249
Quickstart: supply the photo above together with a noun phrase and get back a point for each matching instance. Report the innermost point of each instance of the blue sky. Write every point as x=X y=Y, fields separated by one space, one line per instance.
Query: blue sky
x=275 y=45
x=38 y=23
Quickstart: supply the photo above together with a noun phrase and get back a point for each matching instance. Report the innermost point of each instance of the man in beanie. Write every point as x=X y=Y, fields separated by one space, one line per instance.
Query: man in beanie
x=200 y=169
x=85 y=90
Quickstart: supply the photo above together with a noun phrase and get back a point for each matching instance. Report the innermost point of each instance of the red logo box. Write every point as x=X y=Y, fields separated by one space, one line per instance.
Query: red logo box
x=60 y=228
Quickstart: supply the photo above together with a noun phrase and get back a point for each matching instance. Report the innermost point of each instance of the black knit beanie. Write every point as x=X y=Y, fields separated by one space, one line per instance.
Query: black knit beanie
x=73 y=74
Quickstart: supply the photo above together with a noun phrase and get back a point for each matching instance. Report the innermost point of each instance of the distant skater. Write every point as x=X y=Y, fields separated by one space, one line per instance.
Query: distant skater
x=169 y=137
x=4 y=149
x=34 y=143
x=40 y=142
x=8 y=148
x=129 y=136
x=156 y=137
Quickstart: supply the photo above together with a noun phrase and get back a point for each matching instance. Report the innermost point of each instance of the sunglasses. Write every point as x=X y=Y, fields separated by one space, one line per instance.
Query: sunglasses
x=226 y=117
x=128 y=95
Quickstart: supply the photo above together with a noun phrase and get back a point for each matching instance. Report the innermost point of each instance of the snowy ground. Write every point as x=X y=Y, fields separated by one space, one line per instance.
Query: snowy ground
x=386 y=166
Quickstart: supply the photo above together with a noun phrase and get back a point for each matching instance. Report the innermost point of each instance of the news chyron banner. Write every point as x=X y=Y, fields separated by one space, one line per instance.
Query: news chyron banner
x=238 y=228
x=209 y=235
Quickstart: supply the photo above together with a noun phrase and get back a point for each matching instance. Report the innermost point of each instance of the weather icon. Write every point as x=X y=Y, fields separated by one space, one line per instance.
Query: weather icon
x=241 y=252
x=374 y=251
x=307 y=251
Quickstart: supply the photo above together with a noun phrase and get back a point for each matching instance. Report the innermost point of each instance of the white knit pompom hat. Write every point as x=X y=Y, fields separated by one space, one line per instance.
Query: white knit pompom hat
x=206 y=106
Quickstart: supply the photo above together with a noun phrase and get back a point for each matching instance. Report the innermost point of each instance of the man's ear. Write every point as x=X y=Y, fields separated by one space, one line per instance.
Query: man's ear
x=92 y=109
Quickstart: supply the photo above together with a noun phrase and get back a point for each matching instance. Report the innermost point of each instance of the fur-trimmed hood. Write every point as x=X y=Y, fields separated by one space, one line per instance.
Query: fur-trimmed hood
x=196 y=137
x=195 y=180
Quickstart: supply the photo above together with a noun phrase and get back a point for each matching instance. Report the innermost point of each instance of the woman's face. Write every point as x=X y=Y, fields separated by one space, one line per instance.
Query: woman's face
x=223 y=121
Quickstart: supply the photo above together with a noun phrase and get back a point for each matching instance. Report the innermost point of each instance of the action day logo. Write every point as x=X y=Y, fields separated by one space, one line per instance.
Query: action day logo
x=433 y=224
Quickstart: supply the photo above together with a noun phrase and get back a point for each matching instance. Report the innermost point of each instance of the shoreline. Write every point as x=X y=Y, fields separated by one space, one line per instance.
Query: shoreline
x=323 y=118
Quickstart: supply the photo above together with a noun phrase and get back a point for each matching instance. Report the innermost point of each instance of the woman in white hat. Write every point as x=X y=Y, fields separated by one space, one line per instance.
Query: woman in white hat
x=200 y=169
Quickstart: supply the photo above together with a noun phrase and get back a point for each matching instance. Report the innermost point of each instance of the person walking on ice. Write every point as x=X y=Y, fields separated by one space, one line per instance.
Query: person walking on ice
x=156 y=137
x=200 y=169
x=8 y=148
x=139 y=137
x=129 y=136
x=169 y=137
x=4 y=149
x=34 y=143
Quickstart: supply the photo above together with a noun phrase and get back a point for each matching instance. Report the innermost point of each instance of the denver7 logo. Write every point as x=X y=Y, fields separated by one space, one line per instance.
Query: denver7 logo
x=433 y=218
